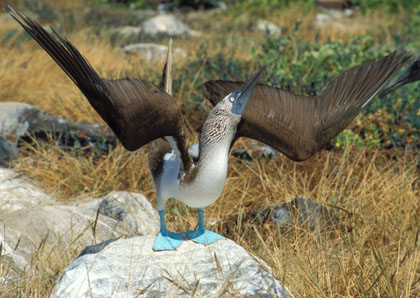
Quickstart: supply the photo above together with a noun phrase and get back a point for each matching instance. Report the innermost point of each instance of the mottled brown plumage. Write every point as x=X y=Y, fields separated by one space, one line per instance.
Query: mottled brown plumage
x=137 y=111
x=299 y=126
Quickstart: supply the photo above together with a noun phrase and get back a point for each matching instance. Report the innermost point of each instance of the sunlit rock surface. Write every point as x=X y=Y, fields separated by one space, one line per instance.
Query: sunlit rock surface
x=130 y=268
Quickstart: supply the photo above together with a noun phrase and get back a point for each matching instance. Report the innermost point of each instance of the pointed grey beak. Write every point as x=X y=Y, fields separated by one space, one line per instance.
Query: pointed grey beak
x=411 y=74
x=240 y=96
x=403 y=79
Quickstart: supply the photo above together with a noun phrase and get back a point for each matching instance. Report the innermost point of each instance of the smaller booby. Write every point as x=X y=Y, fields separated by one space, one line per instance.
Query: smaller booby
x=139 y=112
x=410 y=75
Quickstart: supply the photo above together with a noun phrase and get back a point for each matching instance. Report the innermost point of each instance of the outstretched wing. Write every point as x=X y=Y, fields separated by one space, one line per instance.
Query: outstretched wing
x=137 y=111
x=299 y=126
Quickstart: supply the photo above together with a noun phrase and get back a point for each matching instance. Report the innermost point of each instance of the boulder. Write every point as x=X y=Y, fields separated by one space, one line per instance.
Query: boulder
x=130 y=268
x=24 y=121
x=152 y=51
x=8 y=151
x=18 y=192
x=58 y=227
x=271 y=28
x=165 y=24
x=299 y=211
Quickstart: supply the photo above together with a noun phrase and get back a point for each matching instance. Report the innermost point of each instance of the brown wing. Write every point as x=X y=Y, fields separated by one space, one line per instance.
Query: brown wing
x=299 y=126
x=137 y=111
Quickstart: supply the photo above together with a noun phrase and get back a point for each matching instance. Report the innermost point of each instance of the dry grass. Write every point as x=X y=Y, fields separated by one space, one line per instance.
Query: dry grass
x=376 y=255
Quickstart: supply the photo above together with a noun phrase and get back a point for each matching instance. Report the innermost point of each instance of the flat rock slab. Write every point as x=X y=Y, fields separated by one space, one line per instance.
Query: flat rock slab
x=130 y=268
x=18 y=192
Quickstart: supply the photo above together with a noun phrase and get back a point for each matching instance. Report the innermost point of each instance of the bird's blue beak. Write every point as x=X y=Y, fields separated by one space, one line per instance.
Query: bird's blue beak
x=240 y=97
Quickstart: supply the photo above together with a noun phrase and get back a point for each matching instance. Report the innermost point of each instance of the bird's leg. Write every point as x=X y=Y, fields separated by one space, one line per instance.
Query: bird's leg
x=201 y=235
x=166 y=240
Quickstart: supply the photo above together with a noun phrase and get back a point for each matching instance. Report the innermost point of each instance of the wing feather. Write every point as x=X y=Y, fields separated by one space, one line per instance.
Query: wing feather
x=137 y=111
x=299 y=126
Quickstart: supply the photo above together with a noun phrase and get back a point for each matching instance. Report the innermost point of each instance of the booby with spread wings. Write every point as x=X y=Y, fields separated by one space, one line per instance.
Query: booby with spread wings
x=140 y=112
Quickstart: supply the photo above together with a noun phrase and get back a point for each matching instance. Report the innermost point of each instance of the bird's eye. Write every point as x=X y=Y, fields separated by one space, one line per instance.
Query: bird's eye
x=232 y=99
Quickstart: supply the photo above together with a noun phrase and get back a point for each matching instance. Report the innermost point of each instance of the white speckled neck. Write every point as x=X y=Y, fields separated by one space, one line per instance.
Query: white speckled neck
x=210 y=179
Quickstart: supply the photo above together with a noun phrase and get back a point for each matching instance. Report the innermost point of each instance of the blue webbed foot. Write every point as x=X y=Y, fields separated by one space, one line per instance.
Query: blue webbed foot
x=169 y=241
x=204 y=236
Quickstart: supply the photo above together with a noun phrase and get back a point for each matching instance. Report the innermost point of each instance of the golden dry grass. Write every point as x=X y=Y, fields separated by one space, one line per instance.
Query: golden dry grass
x=375 y=255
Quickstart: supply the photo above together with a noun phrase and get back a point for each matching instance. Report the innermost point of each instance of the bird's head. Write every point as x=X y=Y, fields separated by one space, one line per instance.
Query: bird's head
x=411 y=74
x=235 y=102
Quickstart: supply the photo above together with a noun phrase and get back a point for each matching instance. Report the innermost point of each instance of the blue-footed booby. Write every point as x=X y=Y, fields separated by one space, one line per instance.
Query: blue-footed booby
x=140 y=112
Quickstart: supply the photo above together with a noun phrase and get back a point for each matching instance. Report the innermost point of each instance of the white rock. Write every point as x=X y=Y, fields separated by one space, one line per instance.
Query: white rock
x=265 y=26
x=152 y=51
x=17 y=117
x=129 y=267
x=165 y=24
x=62 y=226
x=21 y=119
x=17 y=192
x=128 y=31
x=321 y=19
